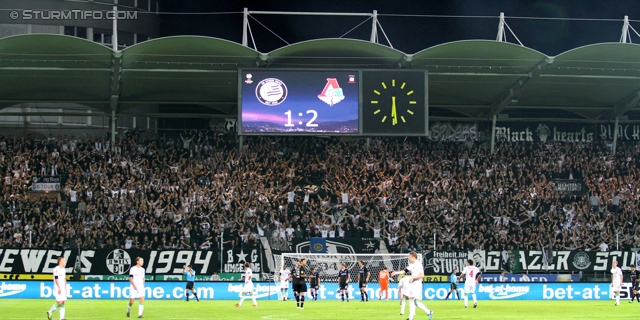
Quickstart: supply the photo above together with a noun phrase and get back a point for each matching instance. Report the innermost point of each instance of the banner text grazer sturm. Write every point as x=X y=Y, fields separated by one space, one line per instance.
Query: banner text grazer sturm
x=536 y=261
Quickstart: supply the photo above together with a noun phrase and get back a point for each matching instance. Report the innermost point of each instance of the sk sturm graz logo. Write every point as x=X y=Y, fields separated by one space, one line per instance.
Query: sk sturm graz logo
x=581 y=261
x=271 y=91
x=118 y=261
x=332 y=93
x=318 y=247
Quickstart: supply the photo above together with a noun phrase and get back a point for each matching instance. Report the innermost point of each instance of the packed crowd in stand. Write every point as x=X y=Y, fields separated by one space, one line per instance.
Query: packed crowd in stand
x=181 y=193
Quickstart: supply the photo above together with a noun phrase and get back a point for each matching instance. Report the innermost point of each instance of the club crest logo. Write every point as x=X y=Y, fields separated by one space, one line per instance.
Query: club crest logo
x=118 y=261
x=581 y=261
x=271 y=91
x=332 y=93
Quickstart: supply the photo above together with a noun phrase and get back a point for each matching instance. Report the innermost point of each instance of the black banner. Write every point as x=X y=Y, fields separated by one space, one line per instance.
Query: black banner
x=626 y=132
x=569 y=186
x=118 y=262
x=20 y=261
x=552 y=131
x=447 y=131
x=575 y=260
x=444 y=262
x=234 y=260
x=106 y=262
x=535 y=261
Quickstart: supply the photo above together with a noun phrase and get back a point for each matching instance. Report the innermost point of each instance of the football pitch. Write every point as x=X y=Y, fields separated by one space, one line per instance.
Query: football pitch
x=23 y=309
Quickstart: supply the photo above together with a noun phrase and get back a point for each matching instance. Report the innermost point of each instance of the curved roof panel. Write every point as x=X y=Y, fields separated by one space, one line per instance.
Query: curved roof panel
x=54 y=68
x=334 y=53
x=184 y=68
x=477 y=56
x=599 y=59
x=189 y=52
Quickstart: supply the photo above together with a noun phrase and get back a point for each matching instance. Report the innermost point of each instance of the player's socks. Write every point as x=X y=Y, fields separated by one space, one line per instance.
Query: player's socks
x=448 y=294
x=53 y=308
x=298 y=301
x=196 y=295
x=187 y=296
x=366 y=296
x=129 y=308
x=617 y=298
x=475 y=301
x=302 y=302
x=403 y=304
x=253 y=298
x=62 y=311
x=241 y=300
x=140 y=309
x=423 y=307
x=466 y=300
x=342 y=295
x=412 y=309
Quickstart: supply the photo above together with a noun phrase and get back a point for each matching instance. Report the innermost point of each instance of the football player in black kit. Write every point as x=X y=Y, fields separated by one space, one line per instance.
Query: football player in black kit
x=363 y=278
x=314 y=283
x=299 y=282
x=294 y=282
x=633 y=291
x=343 y=281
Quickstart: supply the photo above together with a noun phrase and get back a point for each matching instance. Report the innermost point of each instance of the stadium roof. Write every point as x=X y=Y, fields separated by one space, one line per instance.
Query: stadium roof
x=468 y=80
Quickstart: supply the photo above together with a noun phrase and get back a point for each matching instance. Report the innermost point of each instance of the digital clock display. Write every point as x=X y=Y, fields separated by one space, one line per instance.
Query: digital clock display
x=291 y=102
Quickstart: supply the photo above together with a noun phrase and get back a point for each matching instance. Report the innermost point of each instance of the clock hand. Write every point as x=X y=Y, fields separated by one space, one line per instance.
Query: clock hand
x=393 y=110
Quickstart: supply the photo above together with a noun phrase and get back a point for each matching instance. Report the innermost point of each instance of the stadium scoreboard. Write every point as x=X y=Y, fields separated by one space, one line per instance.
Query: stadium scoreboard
x=333 y=102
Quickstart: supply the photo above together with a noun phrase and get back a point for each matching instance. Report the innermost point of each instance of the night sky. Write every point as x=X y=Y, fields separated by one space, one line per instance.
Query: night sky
x=409 y=34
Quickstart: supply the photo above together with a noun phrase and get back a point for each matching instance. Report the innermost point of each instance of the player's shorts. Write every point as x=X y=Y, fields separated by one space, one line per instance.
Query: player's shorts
x=616 y=287
x=248 y=287
x=469 y=288
x=384 y=286
x=343 y=286
x=60 y=297
x=362 y=284
x=302 y=288
x=284 y=284
x=413 y=290
x=454 y=286
x=190 y=285
x=314 y=286
x=136 y=294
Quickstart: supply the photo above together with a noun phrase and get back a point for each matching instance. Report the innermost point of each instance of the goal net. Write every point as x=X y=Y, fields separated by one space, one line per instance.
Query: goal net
x=328 y=266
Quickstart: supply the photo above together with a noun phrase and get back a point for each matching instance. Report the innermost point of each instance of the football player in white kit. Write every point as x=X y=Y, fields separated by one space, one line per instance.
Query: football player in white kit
x=285 y=275
x=616 y=280
x=402 y=284
x=59 y=288
x=136 y=281
x=248 y=286
x=414 y=289
x=472 y=277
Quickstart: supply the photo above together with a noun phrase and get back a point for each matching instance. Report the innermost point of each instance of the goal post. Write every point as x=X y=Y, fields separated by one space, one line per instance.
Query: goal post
x=328 y=266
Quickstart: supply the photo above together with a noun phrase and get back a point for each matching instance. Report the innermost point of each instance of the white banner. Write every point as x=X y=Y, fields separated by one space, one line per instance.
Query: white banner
x=45 y=187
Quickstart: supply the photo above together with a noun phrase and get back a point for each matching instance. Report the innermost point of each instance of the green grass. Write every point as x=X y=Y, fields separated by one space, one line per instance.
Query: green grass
x=354 y=310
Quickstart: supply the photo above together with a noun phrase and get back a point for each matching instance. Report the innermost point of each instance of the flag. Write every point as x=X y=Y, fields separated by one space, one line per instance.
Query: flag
x=318 y=245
